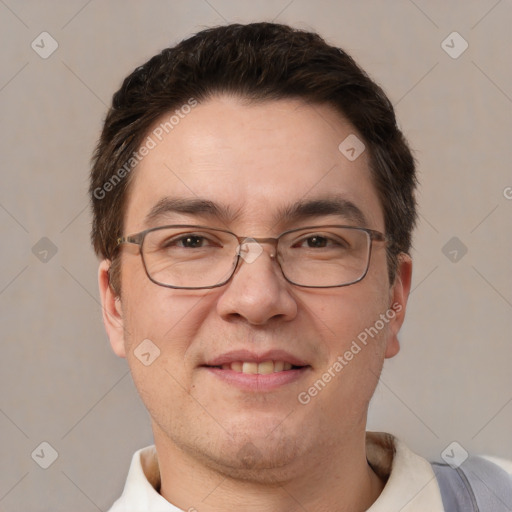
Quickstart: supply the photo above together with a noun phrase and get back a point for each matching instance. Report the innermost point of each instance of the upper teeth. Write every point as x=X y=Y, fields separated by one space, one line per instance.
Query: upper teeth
x=262 y=368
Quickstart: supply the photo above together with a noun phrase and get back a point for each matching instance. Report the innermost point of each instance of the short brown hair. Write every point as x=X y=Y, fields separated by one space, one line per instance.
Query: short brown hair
x=258 y=61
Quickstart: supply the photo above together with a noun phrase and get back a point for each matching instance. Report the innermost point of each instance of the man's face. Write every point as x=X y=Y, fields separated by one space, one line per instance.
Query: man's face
x=253 y=162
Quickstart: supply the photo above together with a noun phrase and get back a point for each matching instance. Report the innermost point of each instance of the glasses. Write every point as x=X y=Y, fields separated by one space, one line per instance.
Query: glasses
x=198 y=257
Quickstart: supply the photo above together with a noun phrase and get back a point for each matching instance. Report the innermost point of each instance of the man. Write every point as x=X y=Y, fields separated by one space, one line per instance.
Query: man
x=253 y=206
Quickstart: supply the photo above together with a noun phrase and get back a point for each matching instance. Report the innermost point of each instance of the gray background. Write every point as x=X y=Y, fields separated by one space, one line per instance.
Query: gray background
x=59 y=380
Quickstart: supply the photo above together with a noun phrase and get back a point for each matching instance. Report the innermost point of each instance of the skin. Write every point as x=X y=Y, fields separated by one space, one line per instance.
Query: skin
x=220 y=447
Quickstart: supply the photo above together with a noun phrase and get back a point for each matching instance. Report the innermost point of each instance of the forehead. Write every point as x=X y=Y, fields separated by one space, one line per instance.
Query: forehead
x=252 y=164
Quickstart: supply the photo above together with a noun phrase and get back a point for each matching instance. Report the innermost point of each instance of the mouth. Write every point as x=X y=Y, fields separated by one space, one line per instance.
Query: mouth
x=252 y=372
x=254 y=368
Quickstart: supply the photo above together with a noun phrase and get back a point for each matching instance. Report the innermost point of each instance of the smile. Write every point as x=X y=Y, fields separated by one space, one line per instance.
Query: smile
x=263 y=368
x=252 y=371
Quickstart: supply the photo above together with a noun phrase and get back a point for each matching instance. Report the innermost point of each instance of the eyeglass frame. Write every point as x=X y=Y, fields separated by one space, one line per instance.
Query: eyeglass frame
x=138 y=239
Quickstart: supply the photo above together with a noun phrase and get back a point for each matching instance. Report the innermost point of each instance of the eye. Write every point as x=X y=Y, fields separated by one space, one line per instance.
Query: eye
x=189 y=241
x=321 y=241
x=316 y=241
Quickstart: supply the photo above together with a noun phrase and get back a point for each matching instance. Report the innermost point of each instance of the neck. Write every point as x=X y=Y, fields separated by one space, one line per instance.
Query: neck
x=334 y=479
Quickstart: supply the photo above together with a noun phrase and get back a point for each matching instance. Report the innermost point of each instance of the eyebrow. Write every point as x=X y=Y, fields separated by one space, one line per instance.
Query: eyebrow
x=299 y=211
x=332 y=205
x=189 y=206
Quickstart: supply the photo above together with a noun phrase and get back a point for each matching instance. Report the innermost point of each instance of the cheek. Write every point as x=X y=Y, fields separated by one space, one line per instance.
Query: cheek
x=351 y=333
x=164 y=323
x=155 y=312
x=160 y=326
x=353 y=337
x=341 y=315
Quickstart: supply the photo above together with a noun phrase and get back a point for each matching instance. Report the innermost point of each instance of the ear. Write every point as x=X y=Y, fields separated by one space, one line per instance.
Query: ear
x=399 y=294
x=112 y=310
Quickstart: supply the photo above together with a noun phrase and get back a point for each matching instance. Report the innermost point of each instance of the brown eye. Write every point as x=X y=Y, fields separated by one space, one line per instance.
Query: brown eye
x=191 y=241
x=317 y=241
x=321 y=241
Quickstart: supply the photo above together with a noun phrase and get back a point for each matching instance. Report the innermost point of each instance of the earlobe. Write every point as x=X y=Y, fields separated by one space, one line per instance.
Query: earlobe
x=112 y=310
x=399 y=296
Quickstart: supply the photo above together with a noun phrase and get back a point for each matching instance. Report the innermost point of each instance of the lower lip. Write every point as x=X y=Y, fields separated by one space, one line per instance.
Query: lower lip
x=257 y=382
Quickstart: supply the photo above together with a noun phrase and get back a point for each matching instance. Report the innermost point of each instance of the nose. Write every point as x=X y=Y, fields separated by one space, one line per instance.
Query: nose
x=258 y=291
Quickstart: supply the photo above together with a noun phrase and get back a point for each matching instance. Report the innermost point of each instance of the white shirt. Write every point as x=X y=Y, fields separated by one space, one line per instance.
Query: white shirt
x=411 y=483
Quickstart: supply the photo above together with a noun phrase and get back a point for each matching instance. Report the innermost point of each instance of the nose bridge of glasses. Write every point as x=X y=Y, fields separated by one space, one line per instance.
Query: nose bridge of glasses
x=250 y=248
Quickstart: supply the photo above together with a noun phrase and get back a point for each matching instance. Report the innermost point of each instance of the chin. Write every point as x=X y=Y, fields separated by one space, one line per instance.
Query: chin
x=273 y=464
x=254 y=456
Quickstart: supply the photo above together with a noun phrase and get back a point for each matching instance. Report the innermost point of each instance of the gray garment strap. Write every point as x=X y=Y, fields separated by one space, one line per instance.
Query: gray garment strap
x=477 y=485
